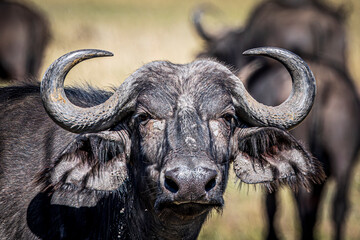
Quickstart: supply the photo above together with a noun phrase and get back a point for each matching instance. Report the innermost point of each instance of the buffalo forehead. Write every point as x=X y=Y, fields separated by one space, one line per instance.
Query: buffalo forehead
x=201 y=85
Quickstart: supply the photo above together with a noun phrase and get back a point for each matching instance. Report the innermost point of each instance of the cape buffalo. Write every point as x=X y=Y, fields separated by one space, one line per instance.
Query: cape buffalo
x=309 y=28
x=316 y=32
x=24 y=34
x=149 y=161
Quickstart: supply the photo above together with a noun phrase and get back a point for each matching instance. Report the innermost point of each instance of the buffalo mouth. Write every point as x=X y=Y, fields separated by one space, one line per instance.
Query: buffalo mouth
x=187 y=210
x=190 y=209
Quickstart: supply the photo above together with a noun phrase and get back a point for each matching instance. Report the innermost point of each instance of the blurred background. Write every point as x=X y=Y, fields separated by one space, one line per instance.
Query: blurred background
x=139 y=31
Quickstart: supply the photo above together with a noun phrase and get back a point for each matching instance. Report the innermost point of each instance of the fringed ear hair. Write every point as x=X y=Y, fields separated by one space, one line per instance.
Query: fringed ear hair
x=272 y=157
x=91 y=167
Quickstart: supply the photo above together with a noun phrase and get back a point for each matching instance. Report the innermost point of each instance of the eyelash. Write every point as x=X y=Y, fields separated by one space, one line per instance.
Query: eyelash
x=228 y=119
x=143 y=118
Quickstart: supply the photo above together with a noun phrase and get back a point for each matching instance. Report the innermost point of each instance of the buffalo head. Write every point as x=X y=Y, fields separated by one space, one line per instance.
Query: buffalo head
x=168 y=134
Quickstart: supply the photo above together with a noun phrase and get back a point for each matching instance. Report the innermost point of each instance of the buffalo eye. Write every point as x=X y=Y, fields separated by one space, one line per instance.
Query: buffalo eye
x=228 y=119
x=143 y=118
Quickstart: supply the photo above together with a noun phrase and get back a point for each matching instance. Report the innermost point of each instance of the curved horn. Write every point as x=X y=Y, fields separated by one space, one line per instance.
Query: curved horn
x=74 y=118
x=196 y=18
x=295 y=108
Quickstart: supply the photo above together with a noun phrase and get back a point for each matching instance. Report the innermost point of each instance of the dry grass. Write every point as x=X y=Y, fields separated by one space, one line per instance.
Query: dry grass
x=136 y=31
x=243 y=217
x=139 y=31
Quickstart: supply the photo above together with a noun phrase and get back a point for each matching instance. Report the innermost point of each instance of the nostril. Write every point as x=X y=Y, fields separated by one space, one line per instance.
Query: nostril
x=171 y=185
x=210 y=185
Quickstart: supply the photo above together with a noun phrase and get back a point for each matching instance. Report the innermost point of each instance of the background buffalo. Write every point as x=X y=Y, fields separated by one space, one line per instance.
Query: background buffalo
x=24 y=35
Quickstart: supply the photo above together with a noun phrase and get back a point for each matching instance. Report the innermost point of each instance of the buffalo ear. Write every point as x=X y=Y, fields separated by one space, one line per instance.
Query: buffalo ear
x=90 y=168
x=272 y=157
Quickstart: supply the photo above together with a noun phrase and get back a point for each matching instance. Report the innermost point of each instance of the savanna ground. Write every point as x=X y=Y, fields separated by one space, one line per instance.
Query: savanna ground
x=139 y=31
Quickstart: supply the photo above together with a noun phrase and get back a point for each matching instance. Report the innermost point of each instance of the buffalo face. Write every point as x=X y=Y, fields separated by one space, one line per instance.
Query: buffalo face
x=182 y=140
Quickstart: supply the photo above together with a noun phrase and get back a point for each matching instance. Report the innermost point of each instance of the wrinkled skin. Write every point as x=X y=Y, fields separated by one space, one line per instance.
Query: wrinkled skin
x=24 y=36
x=155 y=175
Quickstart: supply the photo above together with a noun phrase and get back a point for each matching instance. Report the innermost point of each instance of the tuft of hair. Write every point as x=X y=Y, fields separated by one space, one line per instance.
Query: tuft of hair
x=96 y=152
x=267 y=143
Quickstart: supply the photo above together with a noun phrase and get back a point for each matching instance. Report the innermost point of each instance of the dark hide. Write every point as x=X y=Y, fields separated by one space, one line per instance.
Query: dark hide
x=24 y=35
x=132 y=181
x=309 y=28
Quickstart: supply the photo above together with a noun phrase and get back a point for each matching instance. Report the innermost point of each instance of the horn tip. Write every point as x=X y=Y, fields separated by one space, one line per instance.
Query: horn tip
x=104 y=53
x=254 y=51
x=90 y=53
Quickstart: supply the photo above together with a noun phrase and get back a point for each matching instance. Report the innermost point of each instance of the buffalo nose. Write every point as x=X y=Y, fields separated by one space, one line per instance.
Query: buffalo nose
x=184 y=181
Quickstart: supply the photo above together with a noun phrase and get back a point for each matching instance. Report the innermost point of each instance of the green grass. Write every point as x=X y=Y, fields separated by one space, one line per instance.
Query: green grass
x=139 y=31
